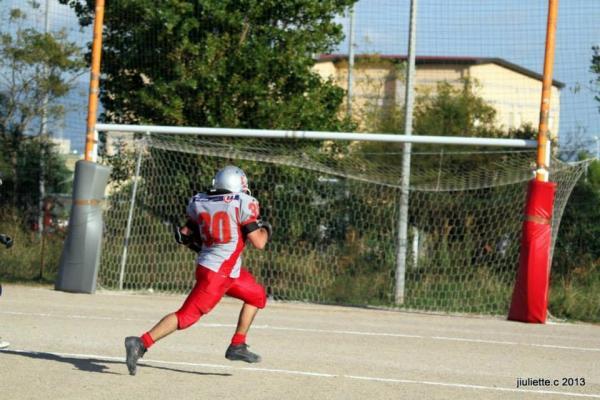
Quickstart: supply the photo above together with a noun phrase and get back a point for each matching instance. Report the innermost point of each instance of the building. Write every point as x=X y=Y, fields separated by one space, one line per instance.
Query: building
x=63 y=146
x=514 y=91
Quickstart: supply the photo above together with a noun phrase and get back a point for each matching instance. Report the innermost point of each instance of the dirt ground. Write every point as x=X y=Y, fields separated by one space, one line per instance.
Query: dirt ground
x=70 y=346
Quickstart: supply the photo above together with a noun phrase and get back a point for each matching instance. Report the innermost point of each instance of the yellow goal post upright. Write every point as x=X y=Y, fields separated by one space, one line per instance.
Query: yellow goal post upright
x=530 y=295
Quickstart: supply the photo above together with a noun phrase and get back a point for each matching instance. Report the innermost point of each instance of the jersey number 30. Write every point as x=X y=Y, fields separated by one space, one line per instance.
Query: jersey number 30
x=216 y=229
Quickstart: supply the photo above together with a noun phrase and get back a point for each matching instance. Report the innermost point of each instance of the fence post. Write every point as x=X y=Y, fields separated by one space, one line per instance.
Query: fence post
x=406 y=156
x=136 y=179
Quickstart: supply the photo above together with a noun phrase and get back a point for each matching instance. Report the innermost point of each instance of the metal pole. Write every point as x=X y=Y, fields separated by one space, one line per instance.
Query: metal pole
x=543 y=155
x=415 y=248
x=350 y=63
x=406 y=156
x=44 y=122
x=43 y=135
x=318 y=135
x=91 y=139
x=130 y=215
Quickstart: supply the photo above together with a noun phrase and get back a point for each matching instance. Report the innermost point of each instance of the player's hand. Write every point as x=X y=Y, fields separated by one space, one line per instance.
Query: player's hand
x=185 y=236
x=6 y=241
x=179 y=237
x=266 y=226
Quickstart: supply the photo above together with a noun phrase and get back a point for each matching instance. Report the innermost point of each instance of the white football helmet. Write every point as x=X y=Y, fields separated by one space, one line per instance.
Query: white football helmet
x=232 y=179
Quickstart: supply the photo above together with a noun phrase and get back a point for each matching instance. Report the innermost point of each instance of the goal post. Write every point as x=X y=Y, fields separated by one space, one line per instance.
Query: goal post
x=333 y=201
x=316 y=135
x=530 y=296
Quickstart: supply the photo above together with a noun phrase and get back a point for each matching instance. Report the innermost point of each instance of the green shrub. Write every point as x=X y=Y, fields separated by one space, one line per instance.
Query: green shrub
x=23 y=261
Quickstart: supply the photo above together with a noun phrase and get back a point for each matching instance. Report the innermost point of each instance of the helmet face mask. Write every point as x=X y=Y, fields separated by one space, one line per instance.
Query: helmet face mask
x=232 y=179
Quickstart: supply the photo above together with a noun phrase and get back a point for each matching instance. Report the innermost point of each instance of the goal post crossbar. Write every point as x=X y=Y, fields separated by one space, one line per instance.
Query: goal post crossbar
x=318 y=135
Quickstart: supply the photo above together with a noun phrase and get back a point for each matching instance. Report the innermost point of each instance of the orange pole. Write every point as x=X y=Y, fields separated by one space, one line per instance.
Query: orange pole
x=90 y=139
x=543 y=153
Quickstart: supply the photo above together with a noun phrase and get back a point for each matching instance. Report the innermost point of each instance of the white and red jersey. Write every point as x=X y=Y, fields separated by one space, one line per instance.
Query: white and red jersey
x=220 y=218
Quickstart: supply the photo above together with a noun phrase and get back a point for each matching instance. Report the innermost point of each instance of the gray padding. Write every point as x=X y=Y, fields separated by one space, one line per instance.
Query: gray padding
x=81 y=252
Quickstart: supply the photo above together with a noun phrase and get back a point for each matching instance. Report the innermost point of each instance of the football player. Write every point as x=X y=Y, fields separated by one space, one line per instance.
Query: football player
x=220 y=224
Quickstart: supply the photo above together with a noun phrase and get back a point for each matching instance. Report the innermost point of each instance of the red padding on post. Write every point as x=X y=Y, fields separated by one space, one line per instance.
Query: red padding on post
x=530 y=295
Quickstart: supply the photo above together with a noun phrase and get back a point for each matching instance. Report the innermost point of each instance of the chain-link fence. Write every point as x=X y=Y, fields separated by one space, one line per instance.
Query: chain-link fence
x=335 y=210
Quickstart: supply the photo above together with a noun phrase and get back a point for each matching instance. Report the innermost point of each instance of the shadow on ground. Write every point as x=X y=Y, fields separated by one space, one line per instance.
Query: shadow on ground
x=96 y=365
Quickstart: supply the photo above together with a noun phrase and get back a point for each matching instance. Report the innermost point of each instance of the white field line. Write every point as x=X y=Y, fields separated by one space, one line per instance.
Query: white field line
x=316 y=307
x=319 y=374
x=326 y=331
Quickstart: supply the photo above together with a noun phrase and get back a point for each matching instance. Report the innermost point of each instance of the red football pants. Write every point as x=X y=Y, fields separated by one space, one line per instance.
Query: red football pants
x=210 y=288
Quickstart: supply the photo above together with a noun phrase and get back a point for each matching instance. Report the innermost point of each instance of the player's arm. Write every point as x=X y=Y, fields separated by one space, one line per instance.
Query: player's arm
x=254 y=230
x=258 y=233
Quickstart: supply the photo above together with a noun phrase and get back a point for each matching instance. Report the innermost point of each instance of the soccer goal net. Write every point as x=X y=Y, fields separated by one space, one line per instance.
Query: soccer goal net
x=335 y=207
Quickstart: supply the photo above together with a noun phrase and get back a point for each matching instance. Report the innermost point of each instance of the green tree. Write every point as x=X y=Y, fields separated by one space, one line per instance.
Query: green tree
x=576 y=262
x=455 y=111
x=36 y=69
x=575 y=291
x=578 y=243
x=449 y=110
x=220 y=63
x=230 y=63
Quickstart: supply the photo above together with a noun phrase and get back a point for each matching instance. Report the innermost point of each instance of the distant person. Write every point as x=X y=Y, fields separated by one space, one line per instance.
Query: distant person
x=220 y=223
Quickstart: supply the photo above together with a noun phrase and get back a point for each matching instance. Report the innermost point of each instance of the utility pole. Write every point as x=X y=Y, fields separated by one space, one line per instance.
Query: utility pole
x=43 y=139
x=350 y=64
x=406 y=157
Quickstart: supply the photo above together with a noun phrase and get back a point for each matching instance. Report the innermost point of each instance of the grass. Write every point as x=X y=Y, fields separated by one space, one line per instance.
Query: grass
x=320 y=276
x=482 y=291
x=23 y=261
x=576 y=296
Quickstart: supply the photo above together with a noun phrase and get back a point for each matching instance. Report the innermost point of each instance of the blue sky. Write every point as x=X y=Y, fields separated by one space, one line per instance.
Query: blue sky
x=510 y=29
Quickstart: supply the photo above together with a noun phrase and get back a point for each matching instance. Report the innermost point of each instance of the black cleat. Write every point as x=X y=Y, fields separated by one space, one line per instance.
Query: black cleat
x=135 y=350
x=240 y=352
